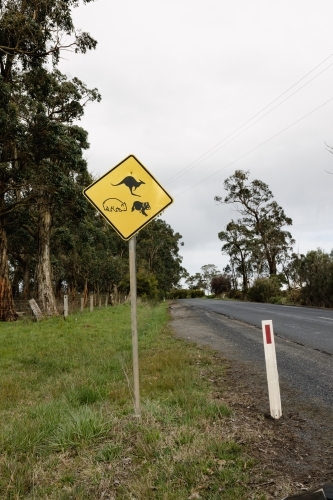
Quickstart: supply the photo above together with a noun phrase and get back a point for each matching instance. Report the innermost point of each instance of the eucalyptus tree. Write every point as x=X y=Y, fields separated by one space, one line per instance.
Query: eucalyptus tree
x=261 y=215
x=230 y=270
x=22 y=250
x=195 y=282
x=238 y=245
x=208 y=273
x=90 y=256
x=31 y=32
x=203 y=280
x=158 y=247
x=314 y=273
x=220 y=284
x=56 y=147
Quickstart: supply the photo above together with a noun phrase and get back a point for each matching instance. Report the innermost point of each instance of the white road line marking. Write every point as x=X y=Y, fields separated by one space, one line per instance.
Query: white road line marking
x=322 y=317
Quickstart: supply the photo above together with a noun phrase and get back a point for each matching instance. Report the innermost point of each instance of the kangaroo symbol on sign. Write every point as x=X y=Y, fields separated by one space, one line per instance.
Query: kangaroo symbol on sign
x=131 y=183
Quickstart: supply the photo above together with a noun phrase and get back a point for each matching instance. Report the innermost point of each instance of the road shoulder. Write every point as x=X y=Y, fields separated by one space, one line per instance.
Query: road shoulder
x=292 y=454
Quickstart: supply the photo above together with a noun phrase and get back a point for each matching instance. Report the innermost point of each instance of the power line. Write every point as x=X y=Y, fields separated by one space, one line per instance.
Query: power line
x=240 y=133
x=254 y=149
x=196 y=162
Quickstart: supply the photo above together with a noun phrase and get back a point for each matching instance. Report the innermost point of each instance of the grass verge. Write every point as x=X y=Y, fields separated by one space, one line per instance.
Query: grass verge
x=67 y=426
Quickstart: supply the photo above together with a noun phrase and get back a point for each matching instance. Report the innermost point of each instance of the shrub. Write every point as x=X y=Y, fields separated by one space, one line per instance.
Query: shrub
x=265 y=289
x=146 y=285
x=220 y=284
x=178 y=293
x=197 y=293
x=235 y=294
x=294 y=296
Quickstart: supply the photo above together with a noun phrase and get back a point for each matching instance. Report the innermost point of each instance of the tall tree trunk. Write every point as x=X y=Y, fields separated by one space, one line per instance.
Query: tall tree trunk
x=271 y=265
x=114 y=295
x=7 y=307
x=73 y=291
x=85 y=292
x=43 y=272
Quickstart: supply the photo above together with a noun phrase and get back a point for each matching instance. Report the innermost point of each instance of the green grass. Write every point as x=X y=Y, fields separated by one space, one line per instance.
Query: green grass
x=67 y=425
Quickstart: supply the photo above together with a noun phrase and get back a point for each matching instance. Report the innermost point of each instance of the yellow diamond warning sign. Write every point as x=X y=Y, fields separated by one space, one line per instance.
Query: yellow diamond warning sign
x=128 y=197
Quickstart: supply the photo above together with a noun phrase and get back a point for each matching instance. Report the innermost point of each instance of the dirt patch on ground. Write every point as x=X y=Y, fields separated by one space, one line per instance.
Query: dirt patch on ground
x=292 y=454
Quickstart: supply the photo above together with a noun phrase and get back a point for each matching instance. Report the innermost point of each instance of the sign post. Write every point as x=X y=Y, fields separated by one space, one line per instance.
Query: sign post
x=129 y=197
x=135 y=350
x=271 y=369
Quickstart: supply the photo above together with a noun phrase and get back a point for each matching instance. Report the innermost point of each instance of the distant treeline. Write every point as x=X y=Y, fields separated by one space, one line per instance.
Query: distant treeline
x=263 y=266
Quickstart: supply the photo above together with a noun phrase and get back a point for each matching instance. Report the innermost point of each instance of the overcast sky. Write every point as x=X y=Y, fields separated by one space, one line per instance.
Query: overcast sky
x=177 y=77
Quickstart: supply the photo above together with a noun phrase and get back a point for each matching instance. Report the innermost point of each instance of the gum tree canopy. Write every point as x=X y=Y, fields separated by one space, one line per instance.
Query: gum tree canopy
x=262 y=219
x=31 y=33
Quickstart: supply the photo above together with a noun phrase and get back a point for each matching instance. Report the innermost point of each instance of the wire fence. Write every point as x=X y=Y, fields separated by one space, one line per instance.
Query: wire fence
x=66 y=304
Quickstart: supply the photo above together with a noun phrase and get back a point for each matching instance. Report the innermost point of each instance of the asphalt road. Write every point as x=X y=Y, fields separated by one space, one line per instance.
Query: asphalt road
x=304 y=339
x=306 y=326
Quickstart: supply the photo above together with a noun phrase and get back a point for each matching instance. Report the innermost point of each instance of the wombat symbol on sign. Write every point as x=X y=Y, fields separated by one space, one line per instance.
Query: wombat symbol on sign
x=141 y=207
x=114 y=205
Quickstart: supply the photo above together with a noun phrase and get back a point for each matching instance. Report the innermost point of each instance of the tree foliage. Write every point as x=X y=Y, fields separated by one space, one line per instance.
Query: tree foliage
x=313 y=274
x=220 y=284
x=39 y=143
x=203 y=280
x=260 y=227
x=50 y=239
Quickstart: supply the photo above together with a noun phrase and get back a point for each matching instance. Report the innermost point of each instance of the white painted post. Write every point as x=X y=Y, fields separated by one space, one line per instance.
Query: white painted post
x=91 y=302
x=271 y=369
x=132 y=262
x=82 y=304
x=65 y=306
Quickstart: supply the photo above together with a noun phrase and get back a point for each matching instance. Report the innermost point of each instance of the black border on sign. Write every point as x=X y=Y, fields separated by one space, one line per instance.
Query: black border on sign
x=107 y=220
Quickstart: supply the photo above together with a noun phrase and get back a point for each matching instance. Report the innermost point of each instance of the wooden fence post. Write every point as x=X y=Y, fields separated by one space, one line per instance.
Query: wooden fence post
x=65 y=306
x=106 y=300
x=91 y=302
x=35 y=309
x=82 y=304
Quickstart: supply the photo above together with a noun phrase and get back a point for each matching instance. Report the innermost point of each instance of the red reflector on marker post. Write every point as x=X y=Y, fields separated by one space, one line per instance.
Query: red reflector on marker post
x=268 y=334
x=271 y=369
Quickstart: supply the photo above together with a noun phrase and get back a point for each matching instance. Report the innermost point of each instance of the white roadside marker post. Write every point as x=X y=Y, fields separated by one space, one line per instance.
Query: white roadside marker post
x=271 y=369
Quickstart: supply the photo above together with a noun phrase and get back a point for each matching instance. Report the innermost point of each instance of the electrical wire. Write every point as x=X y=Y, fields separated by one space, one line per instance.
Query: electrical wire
x=180 y=174
x=254 y=149
x=196 y=162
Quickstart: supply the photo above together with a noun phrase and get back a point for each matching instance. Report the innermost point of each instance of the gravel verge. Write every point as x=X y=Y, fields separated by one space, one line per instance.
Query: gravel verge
x=293 y=454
